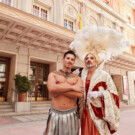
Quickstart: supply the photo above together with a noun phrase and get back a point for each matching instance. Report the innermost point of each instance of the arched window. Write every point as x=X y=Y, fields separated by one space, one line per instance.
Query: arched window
x=70 y=17
x=91 y=21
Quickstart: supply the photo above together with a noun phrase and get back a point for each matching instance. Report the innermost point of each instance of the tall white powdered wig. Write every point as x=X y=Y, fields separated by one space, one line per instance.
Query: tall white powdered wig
x=102 y=42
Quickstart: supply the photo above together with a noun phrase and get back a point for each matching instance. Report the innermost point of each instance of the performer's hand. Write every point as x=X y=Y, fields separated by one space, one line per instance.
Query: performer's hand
x=95 y=94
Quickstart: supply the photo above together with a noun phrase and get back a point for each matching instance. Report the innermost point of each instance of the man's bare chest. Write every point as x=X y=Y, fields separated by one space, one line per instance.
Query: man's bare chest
x=61 y=78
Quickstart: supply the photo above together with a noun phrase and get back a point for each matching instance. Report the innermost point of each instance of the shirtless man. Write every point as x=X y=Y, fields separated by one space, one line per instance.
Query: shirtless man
x=65 y=87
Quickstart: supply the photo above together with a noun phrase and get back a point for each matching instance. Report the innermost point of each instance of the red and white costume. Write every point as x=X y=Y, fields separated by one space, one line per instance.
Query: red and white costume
x=99 y=116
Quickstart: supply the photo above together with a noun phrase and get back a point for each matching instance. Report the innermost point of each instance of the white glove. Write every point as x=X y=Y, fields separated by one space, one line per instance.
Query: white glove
x=94 y=94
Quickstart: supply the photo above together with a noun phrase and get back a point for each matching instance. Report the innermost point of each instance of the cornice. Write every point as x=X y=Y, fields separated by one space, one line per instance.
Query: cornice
x=109 y=10
x=130 y=3
x=131 y=26
x=124 y=61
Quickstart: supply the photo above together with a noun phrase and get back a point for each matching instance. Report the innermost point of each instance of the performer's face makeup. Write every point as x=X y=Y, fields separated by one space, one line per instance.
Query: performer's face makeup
x=69 y=61
x=90 y=61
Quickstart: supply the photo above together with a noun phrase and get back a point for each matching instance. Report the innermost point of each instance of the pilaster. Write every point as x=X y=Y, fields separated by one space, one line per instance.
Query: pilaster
x=58 y=12
x=131 y=88
x=100 y=19
x=25 y=5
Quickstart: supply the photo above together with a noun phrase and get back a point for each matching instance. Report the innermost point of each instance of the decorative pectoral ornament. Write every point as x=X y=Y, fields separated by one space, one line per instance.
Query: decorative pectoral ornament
x=66 y=74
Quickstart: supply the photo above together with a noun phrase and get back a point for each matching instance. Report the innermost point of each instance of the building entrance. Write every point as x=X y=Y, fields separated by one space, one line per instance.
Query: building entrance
x=4 y=77
x=38 y=76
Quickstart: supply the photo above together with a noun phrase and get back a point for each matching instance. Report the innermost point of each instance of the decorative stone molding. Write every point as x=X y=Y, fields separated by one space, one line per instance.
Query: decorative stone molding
x=100 y=19
x=91 y=17
x=91 y=21
x=45 y=3
x=124 y=61
x=109 y=10
x=70 y=11
x=108 y=23
x=131 y=87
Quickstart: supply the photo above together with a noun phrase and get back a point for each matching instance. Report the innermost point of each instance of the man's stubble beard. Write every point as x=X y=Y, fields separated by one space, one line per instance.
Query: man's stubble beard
x=90 y=66
x=68 y=67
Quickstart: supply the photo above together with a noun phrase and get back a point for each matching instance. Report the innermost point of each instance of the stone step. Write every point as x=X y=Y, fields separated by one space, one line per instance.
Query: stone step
x=40 y=108
x=23 y=113
x=123 y=104
x=5 y=106
x=6 y=110
x=40 y=105
x=40 y=102
x=5 y=103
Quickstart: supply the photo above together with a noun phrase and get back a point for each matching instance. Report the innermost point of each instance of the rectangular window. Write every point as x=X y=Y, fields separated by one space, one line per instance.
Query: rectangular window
x=65 y=23
x=7 y=2
x=40 y=11
x=68 y=24
x=36 y=10
x=44 y=14
x=133 y=50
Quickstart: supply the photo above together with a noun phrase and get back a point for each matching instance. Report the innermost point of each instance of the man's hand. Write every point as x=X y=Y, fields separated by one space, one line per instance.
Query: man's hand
x=94 y=94
x=78 y=88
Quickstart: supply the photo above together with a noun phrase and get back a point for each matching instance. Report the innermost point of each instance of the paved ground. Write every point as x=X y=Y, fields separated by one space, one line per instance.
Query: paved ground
x=127 y=121
x=35 y=124
x=20 y=125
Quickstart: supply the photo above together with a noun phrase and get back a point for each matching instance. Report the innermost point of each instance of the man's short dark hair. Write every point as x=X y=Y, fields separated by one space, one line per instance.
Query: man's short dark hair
x=69 y=52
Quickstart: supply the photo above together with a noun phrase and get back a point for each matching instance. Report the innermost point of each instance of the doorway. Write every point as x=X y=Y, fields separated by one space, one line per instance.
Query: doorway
x=4 y=77
x=38 y=77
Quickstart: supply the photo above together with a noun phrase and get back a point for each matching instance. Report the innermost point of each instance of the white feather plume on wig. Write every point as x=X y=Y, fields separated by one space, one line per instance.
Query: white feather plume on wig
x=103 y=42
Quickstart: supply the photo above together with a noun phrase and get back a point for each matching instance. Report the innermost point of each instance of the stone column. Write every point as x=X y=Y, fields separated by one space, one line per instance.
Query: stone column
x=11 y=88
x=100 y=19
x=23 y=61
x=115 y=25
x=58 y=12
x=119 y=84
x=83 y=14
x=131 y=87
x=25 y=5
